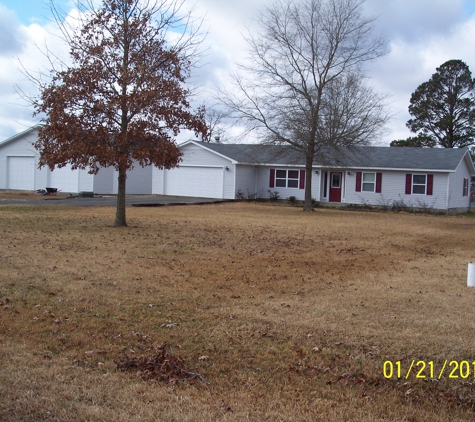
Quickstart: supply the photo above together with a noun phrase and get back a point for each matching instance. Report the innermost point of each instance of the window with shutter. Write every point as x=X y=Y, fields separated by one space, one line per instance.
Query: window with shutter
x=419 y=184
x=368 y=182
x=287 y=179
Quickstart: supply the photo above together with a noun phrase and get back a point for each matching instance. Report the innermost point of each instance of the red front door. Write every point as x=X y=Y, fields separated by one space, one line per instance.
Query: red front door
x=335 y=187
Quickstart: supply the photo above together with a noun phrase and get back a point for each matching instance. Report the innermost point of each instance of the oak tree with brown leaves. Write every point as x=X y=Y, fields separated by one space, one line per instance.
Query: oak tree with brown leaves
x=123 y=99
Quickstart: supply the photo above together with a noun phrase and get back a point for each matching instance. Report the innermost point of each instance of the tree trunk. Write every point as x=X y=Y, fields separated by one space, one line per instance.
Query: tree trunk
x=307 y=205
x=120 y=211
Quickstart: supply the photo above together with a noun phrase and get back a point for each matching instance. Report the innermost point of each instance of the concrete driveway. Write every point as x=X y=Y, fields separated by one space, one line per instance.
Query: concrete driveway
x=109 y=200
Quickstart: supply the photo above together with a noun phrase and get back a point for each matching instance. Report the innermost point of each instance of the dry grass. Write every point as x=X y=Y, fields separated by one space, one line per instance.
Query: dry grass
x=290 y=316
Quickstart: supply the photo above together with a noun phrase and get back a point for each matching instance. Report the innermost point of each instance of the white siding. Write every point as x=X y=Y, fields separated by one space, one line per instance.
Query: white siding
x=64 y=179
x=139 y=180
x=316 y=184
x=393 y=188
x=198 y=156
x=229 y=190
x=86 y=181
x=72 y=181
x=246 y=180
x=104 y=181
x=456 y=198
x=157 y=181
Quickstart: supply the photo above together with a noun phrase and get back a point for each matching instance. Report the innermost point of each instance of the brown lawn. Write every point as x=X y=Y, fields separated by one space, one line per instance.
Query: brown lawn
x=289 y=316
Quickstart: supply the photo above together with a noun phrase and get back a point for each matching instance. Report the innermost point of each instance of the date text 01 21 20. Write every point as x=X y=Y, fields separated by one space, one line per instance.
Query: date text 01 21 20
x=422 y=369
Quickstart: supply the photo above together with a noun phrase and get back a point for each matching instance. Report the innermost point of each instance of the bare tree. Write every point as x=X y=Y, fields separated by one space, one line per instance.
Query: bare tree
x=123 y=99
x=215 y=118
x=304 y=84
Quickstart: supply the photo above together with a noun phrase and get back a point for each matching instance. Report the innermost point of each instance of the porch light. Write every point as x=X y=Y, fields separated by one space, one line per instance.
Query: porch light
x=349 y=173
x=227 y=168
x=316 y=171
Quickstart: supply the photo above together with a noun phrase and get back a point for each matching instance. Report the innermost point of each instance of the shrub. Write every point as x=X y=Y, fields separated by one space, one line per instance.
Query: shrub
x=292 y=200
x=273 y=196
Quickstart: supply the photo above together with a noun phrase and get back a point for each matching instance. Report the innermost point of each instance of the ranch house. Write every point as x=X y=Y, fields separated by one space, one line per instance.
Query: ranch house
x=420 y=177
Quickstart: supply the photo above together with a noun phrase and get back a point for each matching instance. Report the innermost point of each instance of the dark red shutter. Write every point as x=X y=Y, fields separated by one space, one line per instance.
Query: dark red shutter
x=358 y=181
x=379 y=180
x=408 y=184
x=302 y=179
x=430 y=183
x=272 y=178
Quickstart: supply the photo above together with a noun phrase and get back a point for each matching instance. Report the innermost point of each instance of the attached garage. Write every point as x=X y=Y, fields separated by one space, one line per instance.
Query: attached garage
x=21 y=173
x=203 y=182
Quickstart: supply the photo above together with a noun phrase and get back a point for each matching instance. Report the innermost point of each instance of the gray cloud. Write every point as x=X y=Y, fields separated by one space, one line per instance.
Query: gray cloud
x=415 y=20
x=12 y=39
x=422 y=33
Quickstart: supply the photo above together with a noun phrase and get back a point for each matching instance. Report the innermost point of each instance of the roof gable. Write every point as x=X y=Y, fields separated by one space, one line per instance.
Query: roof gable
x=205 y=145
x=19 y=135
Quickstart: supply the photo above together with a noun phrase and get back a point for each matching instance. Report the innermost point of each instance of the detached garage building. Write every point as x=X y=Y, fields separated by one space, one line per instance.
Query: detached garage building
x=19 y=171
x=19 y=168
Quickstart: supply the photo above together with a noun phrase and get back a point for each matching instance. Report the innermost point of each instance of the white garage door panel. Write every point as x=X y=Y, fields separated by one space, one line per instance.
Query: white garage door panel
x=64 y=179
x=203 y=182
x=21 y=173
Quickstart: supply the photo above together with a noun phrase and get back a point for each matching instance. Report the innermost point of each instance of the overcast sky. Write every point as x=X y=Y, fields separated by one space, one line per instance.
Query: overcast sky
x=422 y=34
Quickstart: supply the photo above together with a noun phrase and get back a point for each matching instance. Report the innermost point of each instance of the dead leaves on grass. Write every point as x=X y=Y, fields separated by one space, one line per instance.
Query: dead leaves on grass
x=162 y=366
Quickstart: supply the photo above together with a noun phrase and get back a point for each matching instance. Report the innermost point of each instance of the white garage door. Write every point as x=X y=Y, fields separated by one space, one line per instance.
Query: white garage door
x=21 y=173
x=202 y=182
x=64 y=179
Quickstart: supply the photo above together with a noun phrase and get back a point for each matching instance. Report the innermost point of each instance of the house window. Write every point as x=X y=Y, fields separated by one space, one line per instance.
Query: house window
x=336 y=180
x=368 y=182
x=287 y=179
x=419 y=184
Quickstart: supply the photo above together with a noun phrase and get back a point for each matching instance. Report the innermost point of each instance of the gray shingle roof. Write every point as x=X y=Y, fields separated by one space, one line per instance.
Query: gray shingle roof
x=346 y=157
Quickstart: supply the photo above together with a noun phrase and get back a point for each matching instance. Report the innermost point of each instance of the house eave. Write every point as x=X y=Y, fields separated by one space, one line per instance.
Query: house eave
x=320 y=167
x=422 y=170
